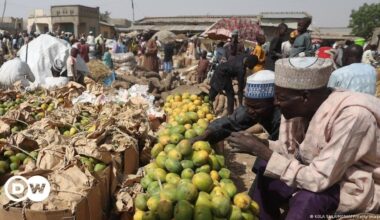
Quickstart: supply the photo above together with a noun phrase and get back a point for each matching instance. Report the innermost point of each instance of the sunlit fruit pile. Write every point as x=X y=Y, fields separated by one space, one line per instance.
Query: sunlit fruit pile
x=92 y=164
x=189 y=181
x=10 y=104
x=41 y=107
x=84 y=123
x=13 y=162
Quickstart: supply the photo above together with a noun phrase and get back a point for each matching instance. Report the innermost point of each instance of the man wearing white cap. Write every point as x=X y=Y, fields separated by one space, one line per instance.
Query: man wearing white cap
x=327 y=163
x=90 y=38
x=354 y=75
x=258 y=108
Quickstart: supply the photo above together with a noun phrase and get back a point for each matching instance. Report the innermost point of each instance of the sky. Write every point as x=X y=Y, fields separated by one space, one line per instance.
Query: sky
x=326 y=13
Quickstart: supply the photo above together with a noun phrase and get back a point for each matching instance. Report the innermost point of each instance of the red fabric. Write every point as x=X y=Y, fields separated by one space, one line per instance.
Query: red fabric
x=223 y=29
x=83 y=51
x=322 y=52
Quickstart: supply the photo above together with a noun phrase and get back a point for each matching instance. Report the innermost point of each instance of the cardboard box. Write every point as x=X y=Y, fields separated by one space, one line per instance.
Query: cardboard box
x=131 y=160
x=95 y=206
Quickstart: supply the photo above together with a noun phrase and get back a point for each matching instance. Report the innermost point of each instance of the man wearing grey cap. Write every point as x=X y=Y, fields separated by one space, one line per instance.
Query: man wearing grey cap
x=327 y=158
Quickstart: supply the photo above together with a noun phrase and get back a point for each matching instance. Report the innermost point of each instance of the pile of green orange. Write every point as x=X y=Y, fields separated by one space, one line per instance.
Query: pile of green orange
x=13 y=162
x=10 y=104
x=83 y=123
x=189 y=181
x=92 y=164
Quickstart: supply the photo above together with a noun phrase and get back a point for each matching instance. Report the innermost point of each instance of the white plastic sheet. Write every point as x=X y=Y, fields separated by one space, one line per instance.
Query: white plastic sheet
x=122 y=96
x=55 y=82
x=43 y=51
x=15 y=70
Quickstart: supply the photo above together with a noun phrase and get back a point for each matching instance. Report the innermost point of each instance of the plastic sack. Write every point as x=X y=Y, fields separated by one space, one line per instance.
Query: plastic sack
x=43 y=52
x=15 y=70
x=109 y=79
x=54 y=82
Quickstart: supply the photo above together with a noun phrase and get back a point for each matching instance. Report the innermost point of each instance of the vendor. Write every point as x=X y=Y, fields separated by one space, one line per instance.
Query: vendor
x=221 y=80
x=258 y=108
x=72 y=73
x=326 y=163
x=302 y=43
x=260 y=53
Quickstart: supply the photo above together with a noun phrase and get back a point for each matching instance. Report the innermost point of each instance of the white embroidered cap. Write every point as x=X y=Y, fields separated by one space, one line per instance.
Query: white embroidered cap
x=303 y=72
x=260 y=85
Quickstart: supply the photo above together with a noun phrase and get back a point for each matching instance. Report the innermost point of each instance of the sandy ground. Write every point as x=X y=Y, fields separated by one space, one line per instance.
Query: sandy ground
x=241 y=169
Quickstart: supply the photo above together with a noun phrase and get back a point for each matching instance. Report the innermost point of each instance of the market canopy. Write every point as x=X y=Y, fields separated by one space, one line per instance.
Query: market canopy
x=222 y=30
x=132 y=34
x=165 y=36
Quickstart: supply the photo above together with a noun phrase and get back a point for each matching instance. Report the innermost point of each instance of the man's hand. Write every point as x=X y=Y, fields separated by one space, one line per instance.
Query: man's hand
x=203 y=137
x=249 y=144
x=195 y=139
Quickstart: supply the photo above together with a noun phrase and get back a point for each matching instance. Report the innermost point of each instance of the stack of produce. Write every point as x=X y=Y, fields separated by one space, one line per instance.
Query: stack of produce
x=185 y=180
x=98 y=70
x=125 y=62
x=44 y=133
x=11 y=161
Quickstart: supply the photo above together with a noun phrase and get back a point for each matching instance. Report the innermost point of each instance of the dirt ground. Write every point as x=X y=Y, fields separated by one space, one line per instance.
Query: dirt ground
x=241 y=169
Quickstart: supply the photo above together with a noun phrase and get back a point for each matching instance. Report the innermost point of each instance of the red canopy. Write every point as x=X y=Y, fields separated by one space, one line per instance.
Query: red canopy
x=222 y=30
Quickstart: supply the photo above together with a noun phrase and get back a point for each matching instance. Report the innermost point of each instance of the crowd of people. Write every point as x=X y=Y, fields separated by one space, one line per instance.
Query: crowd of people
x=316 y=101
x=318 y=104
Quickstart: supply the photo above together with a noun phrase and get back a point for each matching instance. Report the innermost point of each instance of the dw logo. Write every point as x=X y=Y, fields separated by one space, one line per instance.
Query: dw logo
x=18 y=188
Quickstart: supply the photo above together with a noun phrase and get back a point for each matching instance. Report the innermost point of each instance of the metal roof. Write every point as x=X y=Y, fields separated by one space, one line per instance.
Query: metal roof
x=337 y=30
x=189 y=19
x=173 y=28
x=333 y=33
x=291 y=25
x=106 y=24
x=283 y=15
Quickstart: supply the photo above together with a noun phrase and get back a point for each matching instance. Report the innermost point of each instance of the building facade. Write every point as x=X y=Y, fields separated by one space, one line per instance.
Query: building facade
x=12 y=24
x=76 y=19
x=107 y=29
x=269 y=21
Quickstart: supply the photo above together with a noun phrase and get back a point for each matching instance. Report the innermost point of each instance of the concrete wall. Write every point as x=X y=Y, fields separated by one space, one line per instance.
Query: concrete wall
x=62 y=11
x=40 y=22
x=84 y=19
x=12 y=24
x=107 y=31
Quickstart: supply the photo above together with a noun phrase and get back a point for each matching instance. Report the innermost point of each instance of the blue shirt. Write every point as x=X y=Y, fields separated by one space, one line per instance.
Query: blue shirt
x=357 y=77
x=302 y=44
x=107 y=60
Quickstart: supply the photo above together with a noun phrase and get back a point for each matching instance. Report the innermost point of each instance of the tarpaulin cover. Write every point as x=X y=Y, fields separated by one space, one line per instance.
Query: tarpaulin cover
x=42 y=52
x=221 y=30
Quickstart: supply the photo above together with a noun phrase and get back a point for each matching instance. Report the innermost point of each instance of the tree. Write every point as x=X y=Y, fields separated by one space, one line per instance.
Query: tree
x=105 y=16
x=365 y=19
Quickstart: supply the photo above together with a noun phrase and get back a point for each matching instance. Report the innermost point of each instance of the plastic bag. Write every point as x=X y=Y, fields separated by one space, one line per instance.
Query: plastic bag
x=53 y=82
x=109 y=79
